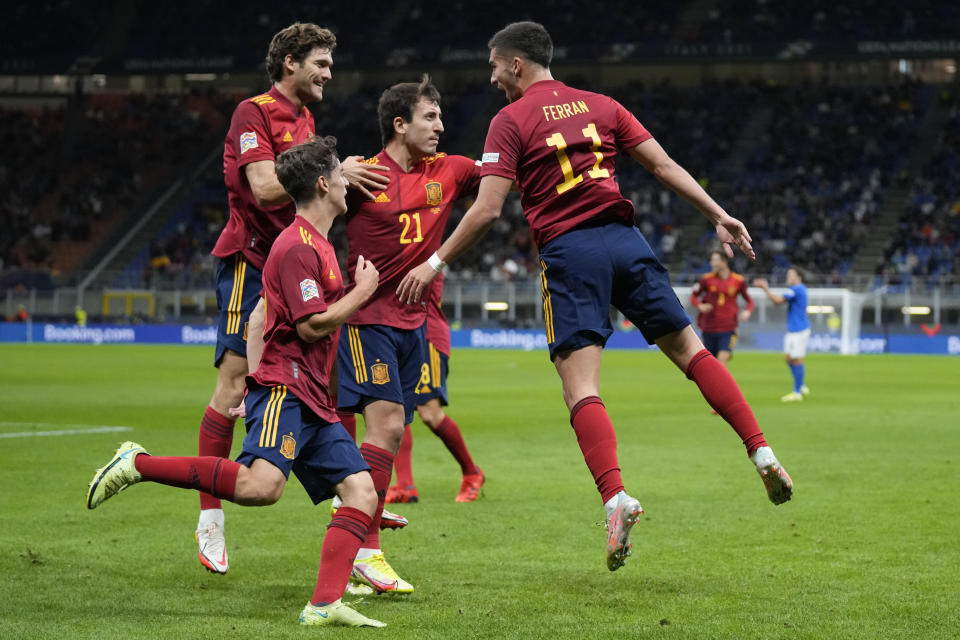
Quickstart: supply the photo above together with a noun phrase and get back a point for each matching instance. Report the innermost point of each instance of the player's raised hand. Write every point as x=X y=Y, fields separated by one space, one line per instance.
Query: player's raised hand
x=366 y=276
x=732 y=231
x=415 y=283
x=365 y=177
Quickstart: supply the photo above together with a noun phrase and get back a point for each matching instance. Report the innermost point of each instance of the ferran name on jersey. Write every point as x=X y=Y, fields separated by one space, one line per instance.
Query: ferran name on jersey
x=379 y=373
x=309 y=289
x=248 y=140
x=434 y=193
x=288 y=447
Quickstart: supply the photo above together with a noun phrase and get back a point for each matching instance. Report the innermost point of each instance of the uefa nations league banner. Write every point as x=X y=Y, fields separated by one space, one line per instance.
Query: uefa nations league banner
x=525 y=339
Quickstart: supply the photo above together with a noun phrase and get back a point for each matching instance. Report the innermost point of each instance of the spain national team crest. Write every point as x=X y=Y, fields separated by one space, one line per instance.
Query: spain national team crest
x=434 y=193
x=380 y=374
x=288 y=448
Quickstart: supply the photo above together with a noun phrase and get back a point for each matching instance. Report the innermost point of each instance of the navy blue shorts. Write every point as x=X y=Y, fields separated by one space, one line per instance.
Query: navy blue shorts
x=717 y=342
x=288 y=434
x=588 y=269
x=239 y=284
x=433 y=377
x=377 y=362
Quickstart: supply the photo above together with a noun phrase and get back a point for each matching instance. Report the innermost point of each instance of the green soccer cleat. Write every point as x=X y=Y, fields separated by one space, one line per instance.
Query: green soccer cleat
x=376 y=573
x=116 y=476
x=793 y=396
x=336 y=614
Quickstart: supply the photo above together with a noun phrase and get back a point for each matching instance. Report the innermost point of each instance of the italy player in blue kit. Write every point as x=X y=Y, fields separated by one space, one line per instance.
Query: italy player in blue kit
x=798 y=329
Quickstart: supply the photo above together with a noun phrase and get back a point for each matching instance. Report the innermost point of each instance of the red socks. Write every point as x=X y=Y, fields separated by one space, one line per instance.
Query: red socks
x=722 y=393
x=346 y=531
x=349 y=421
x=449 y=432
x=598 y=442
x=381 y=468
x=216 y=437
x=216 y=476
x=403 y=462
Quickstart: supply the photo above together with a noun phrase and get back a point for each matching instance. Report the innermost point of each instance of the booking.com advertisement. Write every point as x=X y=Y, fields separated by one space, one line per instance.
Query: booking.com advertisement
x=524 y=339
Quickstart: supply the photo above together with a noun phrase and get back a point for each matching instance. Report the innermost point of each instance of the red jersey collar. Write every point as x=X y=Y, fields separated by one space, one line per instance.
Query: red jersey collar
x=279 y=97
x=305 y=223
x=385 y=159
x=543 y=85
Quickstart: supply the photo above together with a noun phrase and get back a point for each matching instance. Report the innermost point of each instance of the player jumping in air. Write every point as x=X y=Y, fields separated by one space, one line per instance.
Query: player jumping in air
x=291 y=421
x=298 y=62
x=559 y=144
x=431 y=398
x=383 y=346
x=715 y=297
x=798 y=329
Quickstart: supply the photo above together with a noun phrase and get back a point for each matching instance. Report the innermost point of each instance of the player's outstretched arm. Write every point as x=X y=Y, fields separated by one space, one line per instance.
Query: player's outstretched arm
x=775 y=298
x=266 y=188
x=729 y=230
x=475 y=223
x=313 y=327
x=365 y=177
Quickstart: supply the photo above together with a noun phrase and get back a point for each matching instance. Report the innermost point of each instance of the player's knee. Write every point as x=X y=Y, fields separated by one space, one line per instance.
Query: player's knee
x=357 y=491
x=431 y=416
x=269 y=491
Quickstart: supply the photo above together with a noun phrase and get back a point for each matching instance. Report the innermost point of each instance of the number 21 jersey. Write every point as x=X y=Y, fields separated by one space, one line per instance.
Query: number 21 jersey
x=559 y=144
x=402 y=227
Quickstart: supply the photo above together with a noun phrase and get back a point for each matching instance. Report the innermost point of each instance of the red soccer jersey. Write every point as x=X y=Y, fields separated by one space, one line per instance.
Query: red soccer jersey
x=402 y=228
x=438 y=330
x=722 y=294
x=261 y=128
x=559 y=143
x=301 y=277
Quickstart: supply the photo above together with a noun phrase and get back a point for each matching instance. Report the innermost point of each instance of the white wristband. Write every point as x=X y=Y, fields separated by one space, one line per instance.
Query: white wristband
x=436 y=263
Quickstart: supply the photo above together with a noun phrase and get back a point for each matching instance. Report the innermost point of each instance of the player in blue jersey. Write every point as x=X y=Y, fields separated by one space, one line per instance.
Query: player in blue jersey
x=798 y=328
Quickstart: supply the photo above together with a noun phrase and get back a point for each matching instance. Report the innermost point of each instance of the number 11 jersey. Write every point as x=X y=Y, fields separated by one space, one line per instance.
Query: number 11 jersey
x=559 y=144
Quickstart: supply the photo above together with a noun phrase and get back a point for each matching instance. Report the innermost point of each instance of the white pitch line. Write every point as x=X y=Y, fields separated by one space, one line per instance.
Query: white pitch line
x=81 y=429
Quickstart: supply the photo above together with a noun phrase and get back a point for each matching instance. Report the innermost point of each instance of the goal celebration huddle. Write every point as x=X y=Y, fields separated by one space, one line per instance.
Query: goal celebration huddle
x=302 y=347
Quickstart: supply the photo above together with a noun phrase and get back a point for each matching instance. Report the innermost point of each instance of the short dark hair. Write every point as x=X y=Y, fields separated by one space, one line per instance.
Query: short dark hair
x=799 y=271
x=400 y=100
x=529 y=39
x=297 y=40
x=299 y=167
x=723 y=256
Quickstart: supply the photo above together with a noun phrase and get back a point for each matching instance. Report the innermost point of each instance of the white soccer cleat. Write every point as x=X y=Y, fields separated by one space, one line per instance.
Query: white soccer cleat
x=793 y=396
x=623 y=512
x=117 y=475
x=213 y=546
x=775 y=478
x=358 y=589
x=376 y=573
x=391 y=520
x=336 y=614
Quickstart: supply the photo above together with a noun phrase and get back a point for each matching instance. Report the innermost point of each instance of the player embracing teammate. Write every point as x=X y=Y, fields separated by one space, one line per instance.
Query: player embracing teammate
x=559 y=144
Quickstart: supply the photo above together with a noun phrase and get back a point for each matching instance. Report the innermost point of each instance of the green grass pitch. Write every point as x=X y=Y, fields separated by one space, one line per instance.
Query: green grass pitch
x=868 y=547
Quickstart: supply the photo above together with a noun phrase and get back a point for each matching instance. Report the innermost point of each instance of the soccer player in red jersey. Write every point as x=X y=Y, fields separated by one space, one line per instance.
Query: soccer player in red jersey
x=383 y=346
x=559 y=144
x=715 y=297
x=291 y=421
x=432 y=397
x=298 y=62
